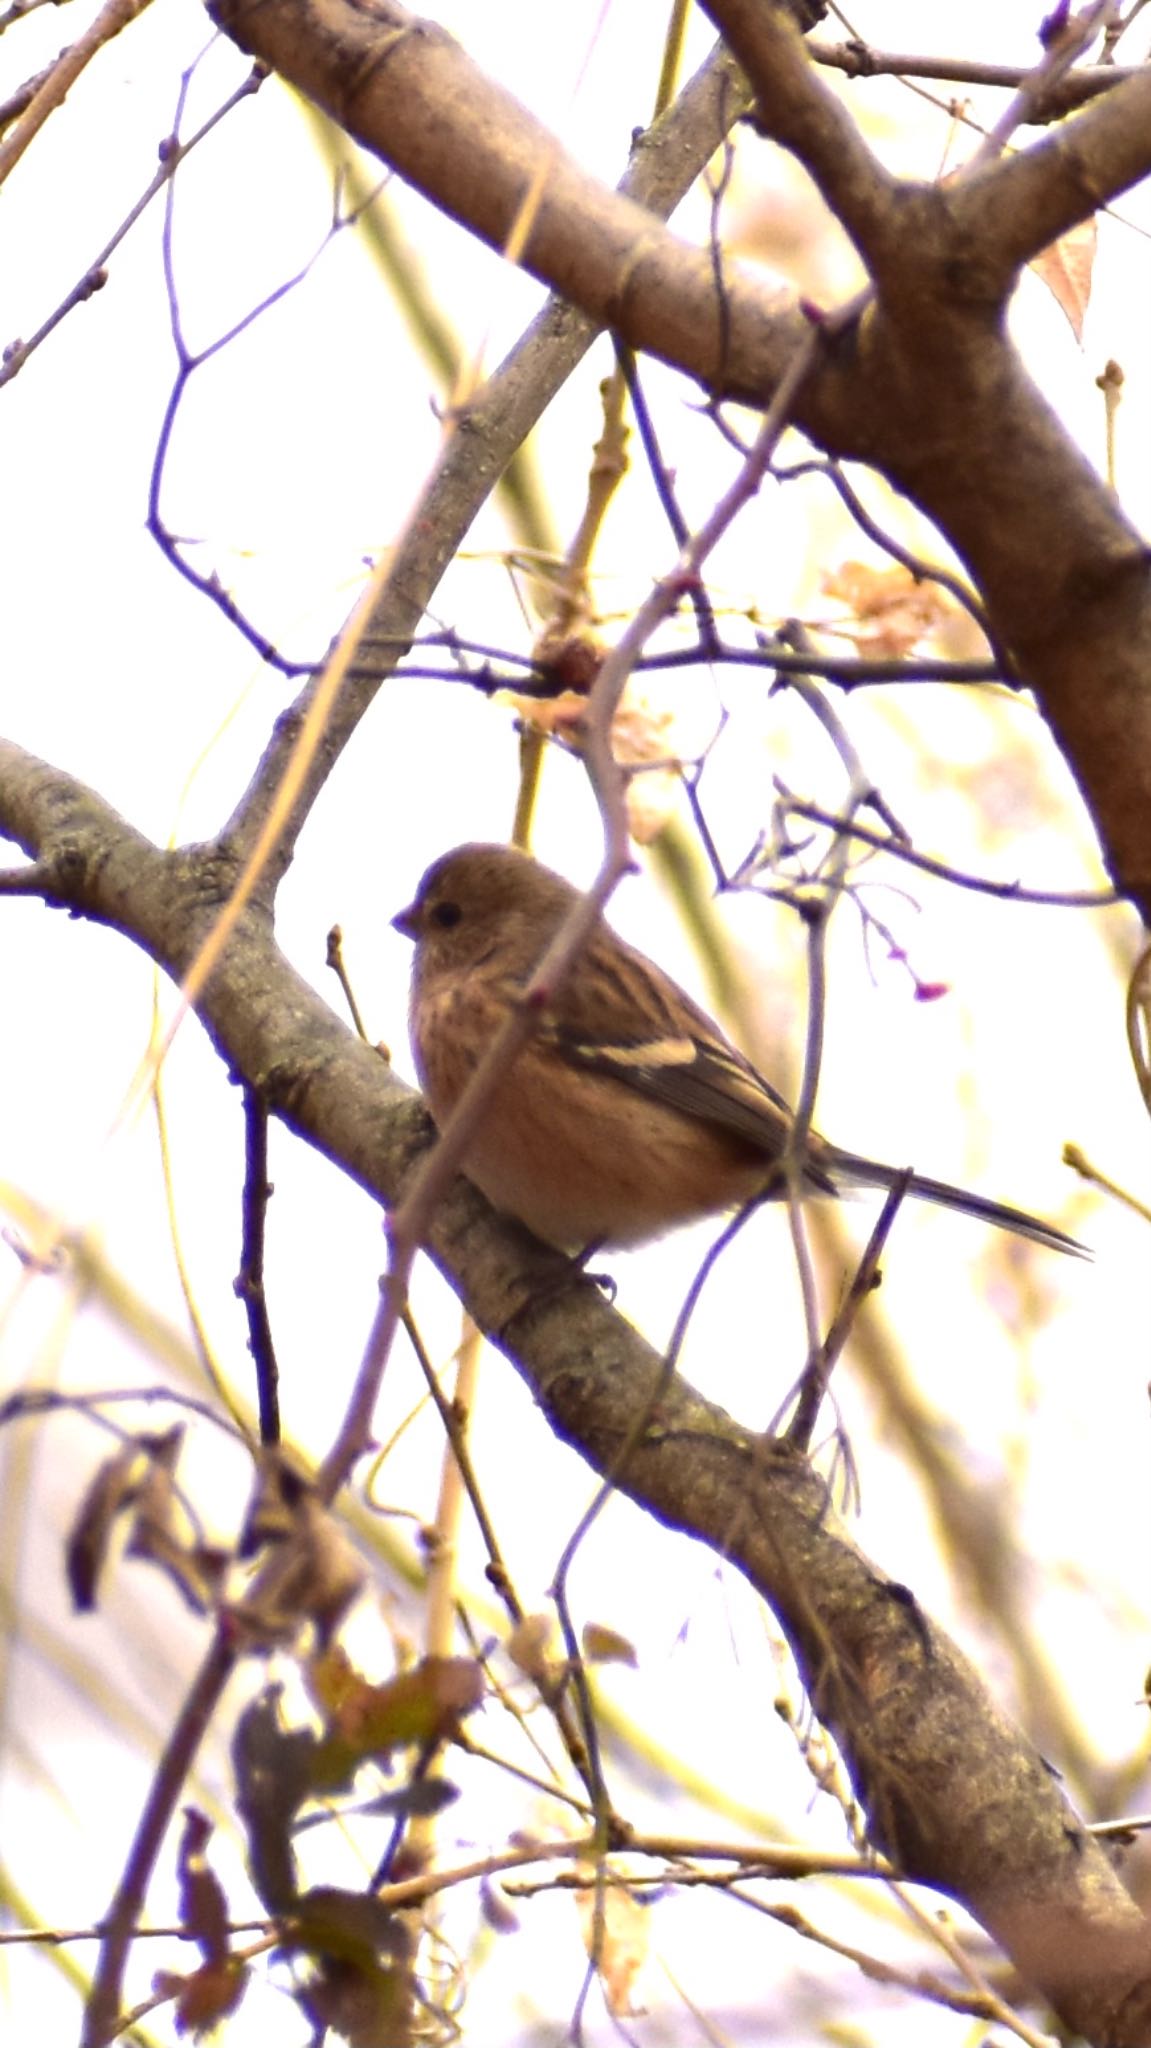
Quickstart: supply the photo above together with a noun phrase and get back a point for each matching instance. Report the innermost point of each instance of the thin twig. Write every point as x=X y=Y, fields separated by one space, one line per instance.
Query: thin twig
x=114 y=16
x=858 y=60
x=172 y=153
x=250 y=1278
x=818 y=1370
x=886 y=842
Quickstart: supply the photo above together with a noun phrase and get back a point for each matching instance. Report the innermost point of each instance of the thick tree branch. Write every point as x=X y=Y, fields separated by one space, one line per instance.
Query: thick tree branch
x=955 y=1793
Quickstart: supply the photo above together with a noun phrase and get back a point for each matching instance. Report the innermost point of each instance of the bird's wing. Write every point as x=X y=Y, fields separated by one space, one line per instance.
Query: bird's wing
x=620 y=1017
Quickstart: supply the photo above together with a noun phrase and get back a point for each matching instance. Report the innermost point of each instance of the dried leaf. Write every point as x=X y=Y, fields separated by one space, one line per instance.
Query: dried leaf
x=617 y=1940
x=420 y=1800
x=643 y=732
x=209 y=1995
x=890 y=610
x=422 y=1706
x=315 y=1577
x=117 y=1486
x=273 y=1510
x=497 y=1908
x=362 y=1987
x=161 y=1535
x=1067 y=268
x=366 y=2005
x=274 y=1768
x=559 y=717
x=353 y=1926
x=530 y=1647
x=203 y=1907
x=602 y=1645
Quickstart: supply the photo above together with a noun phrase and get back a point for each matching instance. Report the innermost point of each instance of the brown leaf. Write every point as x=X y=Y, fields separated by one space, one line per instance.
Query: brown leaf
x=209 y=1995
x=617 y=1943
x=160 y=1535
x=1067 y=268
x=315 y=1576
x=558 y=717
x=424 y=1705
x=496 y=1908
x=529 y=1645
x=368 y=2006
x=602 y=1645
x=891 y=611
x=362 y=1986
x=642 y=733
x=274 y=1507
x=203 y=1906
x=118 y=1485
x=275 y=1768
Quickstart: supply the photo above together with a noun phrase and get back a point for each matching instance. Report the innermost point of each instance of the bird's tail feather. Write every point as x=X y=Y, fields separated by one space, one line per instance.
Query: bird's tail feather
x=870 y=1173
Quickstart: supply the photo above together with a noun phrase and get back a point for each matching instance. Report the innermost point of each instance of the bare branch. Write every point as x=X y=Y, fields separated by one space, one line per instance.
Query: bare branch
x=859 y=60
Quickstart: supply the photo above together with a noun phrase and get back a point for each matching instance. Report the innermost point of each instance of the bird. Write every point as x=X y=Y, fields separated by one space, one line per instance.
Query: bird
x=629 y=1111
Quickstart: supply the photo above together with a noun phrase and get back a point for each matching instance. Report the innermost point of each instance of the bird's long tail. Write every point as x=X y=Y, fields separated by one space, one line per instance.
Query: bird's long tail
x=869 y=1173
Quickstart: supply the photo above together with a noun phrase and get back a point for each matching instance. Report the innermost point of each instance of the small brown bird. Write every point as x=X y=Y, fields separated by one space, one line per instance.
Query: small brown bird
x=629 y=1112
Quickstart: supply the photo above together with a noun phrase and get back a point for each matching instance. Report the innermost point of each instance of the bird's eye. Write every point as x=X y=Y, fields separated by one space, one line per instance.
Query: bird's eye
x=446 y=915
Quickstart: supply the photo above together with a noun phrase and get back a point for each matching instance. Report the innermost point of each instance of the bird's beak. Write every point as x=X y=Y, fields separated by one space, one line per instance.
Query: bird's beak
x=408 y=921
